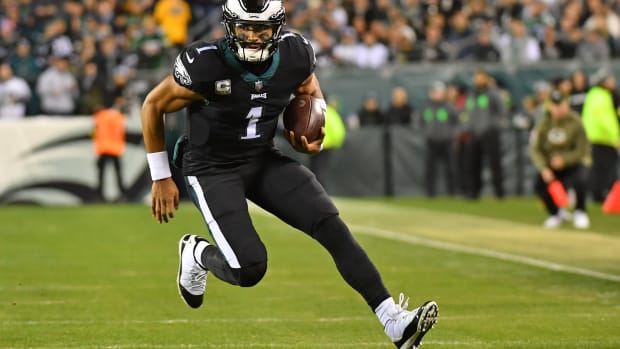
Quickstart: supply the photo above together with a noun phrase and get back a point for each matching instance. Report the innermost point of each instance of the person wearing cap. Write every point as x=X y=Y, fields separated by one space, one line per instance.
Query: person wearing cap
x=438 y=120
x=560 y=150
x=600 y=121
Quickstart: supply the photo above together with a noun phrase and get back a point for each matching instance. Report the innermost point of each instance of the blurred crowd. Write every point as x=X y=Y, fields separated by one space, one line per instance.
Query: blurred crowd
x=371 y=33
x=63 y=57
x=75 y=57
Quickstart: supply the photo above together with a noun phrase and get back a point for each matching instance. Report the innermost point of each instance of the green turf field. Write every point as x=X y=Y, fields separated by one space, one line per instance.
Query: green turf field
x=104 y=277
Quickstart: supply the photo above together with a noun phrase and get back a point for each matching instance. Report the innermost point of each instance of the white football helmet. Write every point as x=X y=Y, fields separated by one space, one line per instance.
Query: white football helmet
x=255 y=15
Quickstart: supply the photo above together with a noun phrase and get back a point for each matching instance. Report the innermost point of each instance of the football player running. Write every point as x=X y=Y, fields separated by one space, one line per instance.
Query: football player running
x=234 y=90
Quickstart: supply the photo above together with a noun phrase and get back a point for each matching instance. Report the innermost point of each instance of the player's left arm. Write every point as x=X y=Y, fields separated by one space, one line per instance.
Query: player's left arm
x=311 y=87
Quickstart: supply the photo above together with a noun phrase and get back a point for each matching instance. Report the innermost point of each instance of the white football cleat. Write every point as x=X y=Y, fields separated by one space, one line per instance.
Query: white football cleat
x=581 y=220
x=192 y=278
x=411 y=326
x=553 y=222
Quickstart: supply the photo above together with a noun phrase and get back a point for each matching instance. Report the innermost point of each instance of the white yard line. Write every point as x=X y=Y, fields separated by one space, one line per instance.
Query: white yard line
x=450 y=246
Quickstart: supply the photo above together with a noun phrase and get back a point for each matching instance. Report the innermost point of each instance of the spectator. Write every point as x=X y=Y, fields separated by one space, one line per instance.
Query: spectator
x=568 y=42
x=549 y=47
x=108 y=59
x=485 y=113
x=150 y=45
x=322 y=44
x=26 y=66
x=371 y=53
x=600 y=121
x=560 y=150
x=564 y=85
x=455 y=94
x=14 y=94
x=174 y=17
x=579 y=90
x=482 y=50
x=438 y=120
x=537 y=18
x=518 y=46
x=594 y=48
x=92 y=89
x=109 y=142
x=459 y=31
x=88 y=49
x=58 y=88
x=9 y=36
x=535 y=105
x=345 y=51
x=401 y=38
x=433 y=48
x=336 y=16
x=56 y=37
x=370 y=113
x=479 y=13
x=603 y=18
x=400 y=111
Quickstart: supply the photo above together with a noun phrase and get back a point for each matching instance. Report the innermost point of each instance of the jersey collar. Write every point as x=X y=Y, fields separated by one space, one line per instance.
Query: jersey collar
x=247 y=76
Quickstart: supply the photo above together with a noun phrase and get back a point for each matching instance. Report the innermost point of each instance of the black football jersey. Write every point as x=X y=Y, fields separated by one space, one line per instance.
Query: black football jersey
x=237 y=120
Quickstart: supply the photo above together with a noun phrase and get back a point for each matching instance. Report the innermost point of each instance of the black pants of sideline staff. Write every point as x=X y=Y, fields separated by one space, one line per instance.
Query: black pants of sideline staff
x=438 y=153
x=101 y=164
x=485 y=146
x=571 y=177
x=603 y=172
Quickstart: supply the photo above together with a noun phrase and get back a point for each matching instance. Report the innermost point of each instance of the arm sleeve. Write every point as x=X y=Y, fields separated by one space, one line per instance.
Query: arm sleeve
x=191 y=67
x=302 y=53
x=536 y=154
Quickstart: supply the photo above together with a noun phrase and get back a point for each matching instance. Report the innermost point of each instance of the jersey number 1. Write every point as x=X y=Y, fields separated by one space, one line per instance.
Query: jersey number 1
x=253 y=116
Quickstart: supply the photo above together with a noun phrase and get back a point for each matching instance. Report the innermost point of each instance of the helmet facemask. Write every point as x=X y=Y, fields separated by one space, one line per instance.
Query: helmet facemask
x=253 y=36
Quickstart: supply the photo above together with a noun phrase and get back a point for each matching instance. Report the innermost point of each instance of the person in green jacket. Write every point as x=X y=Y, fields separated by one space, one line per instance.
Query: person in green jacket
x=335 y=133
x=600 y=121
x=560 y=150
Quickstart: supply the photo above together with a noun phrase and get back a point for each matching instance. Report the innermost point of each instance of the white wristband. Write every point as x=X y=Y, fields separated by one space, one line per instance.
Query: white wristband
x=158 y=164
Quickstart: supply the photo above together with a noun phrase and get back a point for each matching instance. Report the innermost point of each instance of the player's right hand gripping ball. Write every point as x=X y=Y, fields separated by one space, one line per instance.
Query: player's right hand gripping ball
x=304 y=116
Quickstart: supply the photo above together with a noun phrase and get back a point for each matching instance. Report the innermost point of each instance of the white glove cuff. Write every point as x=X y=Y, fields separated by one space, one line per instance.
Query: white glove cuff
x=158 y=164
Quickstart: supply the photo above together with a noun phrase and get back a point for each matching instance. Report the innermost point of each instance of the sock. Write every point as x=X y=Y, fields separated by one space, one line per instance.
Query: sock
x=385 y=310
x=200 y=247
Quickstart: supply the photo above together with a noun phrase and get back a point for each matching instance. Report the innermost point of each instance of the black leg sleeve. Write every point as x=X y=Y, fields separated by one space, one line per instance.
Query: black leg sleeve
x=213 y=259
x=247 y=276
x=351 y=260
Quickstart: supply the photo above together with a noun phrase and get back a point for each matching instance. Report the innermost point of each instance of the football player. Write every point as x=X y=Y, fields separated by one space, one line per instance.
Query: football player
x=234 y=90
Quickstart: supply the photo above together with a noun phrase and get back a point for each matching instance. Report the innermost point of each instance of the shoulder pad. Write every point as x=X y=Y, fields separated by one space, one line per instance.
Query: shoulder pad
x=192 y=64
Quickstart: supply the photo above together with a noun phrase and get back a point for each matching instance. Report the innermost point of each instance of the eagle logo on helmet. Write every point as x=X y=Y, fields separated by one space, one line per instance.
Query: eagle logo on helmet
x=256 y=15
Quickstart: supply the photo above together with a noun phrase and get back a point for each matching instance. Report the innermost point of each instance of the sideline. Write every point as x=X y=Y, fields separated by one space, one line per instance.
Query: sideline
x=450 y=246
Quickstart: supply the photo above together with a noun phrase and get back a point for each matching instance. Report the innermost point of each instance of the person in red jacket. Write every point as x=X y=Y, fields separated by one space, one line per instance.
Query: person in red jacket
x=109 y=142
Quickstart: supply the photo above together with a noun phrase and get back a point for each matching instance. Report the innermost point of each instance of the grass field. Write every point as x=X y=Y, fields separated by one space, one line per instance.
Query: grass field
x=104 y=277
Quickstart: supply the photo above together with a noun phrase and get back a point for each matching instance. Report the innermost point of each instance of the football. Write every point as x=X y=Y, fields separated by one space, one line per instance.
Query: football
x=304 y=116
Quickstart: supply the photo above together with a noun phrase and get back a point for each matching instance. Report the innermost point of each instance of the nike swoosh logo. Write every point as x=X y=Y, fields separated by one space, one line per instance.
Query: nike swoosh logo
x=189 y=59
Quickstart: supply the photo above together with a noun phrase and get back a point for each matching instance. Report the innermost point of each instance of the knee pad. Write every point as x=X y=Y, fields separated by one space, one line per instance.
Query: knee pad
x=251 y=275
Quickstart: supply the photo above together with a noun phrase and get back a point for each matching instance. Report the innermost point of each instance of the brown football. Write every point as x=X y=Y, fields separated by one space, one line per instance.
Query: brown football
x=304 y=116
